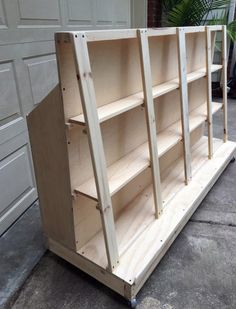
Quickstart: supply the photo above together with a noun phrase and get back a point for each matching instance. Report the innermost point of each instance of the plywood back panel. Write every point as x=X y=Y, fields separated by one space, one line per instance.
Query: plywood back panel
x=114 y=66
x=196 y=51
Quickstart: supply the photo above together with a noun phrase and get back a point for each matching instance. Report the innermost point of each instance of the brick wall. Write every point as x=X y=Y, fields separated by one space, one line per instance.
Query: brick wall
x=154 y=13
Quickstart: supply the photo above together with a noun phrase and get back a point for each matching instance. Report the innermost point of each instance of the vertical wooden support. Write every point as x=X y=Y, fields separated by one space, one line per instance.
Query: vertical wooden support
x=224 y=80
x=150 y=118
x=209 y=90
x=184 y=103
x=88 y=100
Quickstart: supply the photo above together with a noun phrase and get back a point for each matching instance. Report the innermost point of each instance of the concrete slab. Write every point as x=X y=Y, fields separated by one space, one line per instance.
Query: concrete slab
x=199 y=271
x=21 y=248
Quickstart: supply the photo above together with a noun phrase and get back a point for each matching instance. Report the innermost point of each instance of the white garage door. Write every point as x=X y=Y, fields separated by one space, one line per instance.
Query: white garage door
x=27 y=74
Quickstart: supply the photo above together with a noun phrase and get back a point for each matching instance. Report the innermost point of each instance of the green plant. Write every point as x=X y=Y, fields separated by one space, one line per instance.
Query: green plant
x=177 y=13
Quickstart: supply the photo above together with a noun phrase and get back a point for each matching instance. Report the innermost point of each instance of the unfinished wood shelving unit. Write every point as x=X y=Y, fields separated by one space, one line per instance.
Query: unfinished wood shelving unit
x=121 y=159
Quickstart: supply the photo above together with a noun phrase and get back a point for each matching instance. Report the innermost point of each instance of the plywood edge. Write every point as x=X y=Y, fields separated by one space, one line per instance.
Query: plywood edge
x=49 y=151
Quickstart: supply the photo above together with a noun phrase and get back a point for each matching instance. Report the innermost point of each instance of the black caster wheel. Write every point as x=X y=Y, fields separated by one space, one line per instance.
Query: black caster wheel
x=232 y=160
x=132 y=303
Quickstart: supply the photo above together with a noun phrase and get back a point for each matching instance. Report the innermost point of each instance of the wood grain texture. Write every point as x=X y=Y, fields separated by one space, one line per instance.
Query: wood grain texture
x=88 y=99
x=49 y=150
x=209 y=91
x=224 y=80
x=150 y=119
x=184 y=103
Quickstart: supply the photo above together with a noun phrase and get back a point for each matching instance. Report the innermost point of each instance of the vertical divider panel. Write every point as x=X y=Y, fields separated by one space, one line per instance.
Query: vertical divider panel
x=184 y=103
x=88 y=99
x=150 y=118
x=209 y=90
x=224 y=80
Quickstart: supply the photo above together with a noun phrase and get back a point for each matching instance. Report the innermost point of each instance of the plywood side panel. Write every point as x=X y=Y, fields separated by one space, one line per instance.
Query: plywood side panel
x=49 y=150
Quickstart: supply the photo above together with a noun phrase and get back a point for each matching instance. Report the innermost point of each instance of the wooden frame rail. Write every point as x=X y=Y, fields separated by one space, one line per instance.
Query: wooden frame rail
x=184 y=103
x=209 y=91
x=88 y=100
x=150 y=118
x=209 y=60
x=224 y=80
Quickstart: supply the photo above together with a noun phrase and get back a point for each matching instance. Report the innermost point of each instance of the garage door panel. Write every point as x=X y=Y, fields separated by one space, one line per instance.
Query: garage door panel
x=8 y=92
x=17 y=209
x=13 y=144
x=10 y=129
x=37 y=12
x=15 y=166
x=2 y=16
x=121 y=12
x=104 y=9
x=43 y=76
x=80 y=12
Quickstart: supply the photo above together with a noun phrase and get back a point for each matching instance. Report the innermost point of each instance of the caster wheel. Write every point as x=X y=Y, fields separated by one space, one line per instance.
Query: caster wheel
x=232 y=160
x=132 y=303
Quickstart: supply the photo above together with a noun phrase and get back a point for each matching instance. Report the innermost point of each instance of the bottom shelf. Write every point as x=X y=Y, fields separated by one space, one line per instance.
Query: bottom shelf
x=142 y=256
x=137 y=219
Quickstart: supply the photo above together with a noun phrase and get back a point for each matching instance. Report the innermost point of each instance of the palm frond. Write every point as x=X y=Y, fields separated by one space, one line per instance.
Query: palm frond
x=168 y=5
x=190 y=12
x=231 y=30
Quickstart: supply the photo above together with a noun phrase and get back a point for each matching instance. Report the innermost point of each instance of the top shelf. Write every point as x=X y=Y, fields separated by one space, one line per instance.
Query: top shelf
x=118 y=107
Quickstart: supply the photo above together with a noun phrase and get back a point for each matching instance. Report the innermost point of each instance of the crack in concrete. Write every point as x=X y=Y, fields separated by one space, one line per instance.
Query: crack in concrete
x=212 y=222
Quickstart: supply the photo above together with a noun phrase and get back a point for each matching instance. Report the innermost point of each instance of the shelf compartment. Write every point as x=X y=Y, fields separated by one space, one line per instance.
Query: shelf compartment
x=197 y=116
x=118 y=107
x=128 y=167
x=136 y=218
x=202 y=72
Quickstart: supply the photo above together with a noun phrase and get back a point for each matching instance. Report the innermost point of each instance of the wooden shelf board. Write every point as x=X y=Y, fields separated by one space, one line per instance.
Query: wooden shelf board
x=118 y=107
x=202 y=72
x=127 y=168
x=197 y=116
x=140 y=237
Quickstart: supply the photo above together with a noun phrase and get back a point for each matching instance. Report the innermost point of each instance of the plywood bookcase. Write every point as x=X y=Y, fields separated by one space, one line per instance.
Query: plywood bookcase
x=120 y=154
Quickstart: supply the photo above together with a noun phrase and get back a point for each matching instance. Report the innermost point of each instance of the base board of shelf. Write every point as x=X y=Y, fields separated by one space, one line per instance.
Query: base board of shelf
x=143 y=255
